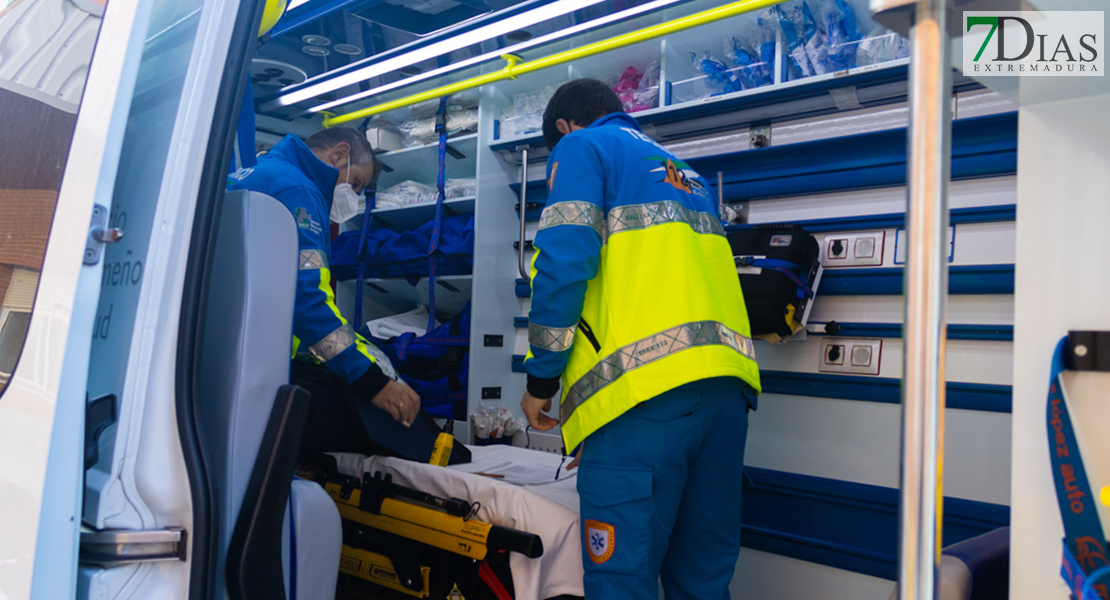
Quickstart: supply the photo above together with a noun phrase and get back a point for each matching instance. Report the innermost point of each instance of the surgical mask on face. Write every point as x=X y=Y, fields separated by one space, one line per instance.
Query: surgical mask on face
x=344 y=202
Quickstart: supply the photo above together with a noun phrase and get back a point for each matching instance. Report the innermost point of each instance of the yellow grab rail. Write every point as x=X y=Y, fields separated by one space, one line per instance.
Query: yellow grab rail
x=515 y=67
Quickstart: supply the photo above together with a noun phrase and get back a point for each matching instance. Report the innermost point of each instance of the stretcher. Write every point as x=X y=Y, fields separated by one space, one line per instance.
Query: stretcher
x=548 y=510
x=399 y=542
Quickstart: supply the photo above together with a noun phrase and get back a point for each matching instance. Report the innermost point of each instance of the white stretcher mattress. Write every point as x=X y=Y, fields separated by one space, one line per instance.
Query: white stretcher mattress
x=549 y=510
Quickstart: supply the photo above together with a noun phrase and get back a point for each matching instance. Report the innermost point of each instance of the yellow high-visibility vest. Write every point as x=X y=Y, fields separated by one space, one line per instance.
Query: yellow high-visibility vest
x=664 y=310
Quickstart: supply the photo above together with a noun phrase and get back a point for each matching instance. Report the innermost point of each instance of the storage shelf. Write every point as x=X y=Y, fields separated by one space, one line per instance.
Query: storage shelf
x=434 y=146
x=397 y=295
x=421 y=163
x=771 y=100
x=407 y=218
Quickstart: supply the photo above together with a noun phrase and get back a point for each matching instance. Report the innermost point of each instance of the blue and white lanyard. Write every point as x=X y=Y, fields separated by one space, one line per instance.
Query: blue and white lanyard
x=433 y=246
x=1085 y=561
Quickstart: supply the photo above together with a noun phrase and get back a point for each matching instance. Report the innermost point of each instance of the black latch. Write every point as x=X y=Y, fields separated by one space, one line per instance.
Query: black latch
x=99 y=414
x=493 y=341
x=441 y=121
x=491 y=393
x=1088 y=351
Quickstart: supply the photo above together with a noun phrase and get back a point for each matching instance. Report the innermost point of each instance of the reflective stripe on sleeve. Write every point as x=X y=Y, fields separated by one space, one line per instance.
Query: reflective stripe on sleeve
x=572 y=213
x=334 y=343
x=313 y=259
x=555 y=339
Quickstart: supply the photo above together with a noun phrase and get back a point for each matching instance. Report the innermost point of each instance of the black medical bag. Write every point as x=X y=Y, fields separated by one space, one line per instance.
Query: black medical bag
x=778 y=267
x=341 y=421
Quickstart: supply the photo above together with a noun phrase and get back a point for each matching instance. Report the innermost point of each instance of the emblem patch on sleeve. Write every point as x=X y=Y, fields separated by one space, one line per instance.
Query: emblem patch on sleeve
x=601 y=539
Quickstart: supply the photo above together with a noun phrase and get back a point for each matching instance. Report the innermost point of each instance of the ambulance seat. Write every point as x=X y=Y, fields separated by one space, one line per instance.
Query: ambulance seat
x=252 y=419
x=977 y=568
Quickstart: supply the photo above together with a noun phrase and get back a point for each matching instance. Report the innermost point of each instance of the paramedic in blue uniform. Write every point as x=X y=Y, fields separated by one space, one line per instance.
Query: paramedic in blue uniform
x=320 y=180
x=636 y=308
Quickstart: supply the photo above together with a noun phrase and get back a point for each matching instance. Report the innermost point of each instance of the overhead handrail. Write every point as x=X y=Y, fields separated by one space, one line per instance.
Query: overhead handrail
x=516 y=67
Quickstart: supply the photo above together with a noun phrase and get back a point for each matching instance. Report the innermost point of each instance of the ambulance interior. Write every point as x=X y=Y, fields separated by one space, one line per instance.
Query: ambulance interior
x=786 y=141
x=785 y=133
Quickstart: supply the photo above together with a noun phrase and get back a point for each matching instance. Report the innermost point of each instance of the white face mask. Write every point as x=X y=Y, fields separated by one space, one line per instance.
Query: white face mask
x=344 y=202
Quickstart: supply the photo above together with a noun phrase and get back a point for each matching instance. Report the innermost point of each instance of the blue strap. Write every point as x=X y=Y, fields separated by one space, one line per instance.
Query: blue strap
x=366 y=218
x=782 y=266
x=1084 y=544
x=433 y=246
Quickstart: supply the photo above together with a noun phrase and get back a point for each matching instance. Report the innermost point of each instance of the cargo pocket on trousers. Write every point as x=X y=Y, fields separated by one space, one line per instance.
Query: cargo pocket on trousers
x=616 y=508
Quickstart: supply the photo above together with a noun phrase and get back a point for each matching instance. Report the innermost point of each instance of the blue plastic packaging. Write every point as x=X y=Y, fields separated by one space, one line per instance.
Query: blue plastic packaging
x=717 y=73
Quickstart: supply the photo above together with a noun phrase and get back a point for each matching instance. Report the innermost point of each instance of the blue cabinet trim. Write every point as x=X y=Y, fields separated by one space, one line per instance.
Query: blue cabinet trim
x=887 y=390
x=842 y=524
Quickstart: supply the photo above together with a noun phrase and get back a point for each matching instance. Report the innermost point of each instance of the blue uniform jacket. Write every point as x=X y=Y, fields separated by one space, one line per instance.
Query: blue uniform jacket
x=589 y=164
x=293 y=175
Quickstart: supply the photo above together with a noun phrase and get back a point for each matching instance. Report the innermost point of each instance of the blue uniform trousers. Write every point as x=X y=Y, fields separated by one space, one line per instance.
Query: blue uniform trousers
x=660 y=495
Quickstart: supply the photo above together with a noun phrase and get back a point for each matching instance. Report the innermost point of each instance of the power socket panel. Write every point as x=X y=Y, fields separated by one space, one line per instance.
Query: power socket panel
x=544 y=442
x=864 y=248
x=858 y=356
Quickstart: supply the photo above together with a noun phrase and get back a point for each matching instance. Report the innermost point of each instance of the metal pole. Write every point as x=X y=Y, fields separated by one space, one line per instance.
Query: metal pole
x=524 y=274
x=926 y=296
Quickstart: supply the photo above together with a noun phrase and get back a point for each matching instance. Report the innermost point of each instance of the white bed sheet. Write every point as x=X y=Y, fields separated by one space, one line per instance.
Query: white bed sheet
x=548 y=510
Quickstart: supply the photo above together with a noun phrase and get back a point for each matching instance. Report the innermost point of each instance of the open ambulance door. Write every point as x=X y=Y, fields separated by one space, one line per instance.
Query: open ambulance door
x=147 y=503
x=98 y=481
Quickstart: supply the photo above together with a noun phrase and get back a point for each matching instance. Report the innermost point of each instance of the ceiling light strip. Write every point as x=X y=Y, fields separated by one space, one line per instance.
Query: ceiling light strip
x=595 y=23
x=537 y=15
x=515 y=68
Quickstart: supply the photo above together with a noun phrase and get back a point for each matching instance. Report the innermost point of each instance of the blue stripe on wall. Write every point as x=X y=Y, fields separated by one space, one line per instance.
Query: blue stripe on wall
x=990 y=333
x=887 y=390
x=841 y=524
x=962 y=279
x=957 y=216
x=981 y=147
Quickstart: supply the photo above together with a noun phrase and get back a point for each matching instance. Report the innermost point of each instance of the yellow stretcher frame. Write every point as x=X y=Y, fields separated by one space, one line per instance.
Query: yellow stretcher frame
x=421 y=524
x=378 y=569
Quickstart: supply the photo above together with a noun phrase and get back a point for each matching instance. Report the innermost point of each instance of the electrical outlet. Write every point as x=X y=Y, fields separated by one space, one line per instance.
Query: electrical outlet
x=853 y=249
x=859 y=356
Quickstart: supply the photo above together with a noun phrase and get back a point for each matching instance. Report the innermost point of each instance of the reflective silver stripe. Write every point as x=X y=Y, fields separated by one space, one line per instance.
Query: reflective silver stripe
x=650 y=214
x=649 y=350
x=572 y=213
x=313 y=259
x=555 y=339
x=382 y=361
x=334 y=343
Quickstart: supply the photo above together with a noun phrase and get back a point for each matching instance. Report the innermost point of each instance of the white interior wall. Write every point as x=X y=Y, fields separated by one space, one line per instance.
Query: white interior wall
x=1063 y=256
x=765 y=576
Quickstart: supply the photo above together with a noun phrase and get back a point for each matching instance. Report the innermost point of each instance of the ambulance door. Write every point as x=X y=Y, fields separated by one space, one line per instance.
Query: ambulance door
x=137 y=508
x=61 y=132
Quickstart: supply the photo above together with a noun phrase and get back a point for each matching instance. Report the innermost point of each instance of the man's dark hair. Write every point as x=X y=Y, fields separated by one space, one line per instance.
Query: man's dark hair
x=583 y=101
x=326 y=139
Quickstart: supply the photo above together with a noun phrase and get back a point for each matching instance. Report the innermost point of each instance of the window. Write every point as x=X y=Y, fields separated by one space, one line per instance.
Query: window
x=45 y=50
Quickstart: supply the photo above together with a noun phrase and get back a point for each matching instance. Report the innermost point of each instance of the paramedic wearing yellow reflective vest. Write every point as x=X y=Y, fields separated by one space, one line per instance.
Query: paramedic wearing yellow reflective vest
x=636 y=305
x=320 y=180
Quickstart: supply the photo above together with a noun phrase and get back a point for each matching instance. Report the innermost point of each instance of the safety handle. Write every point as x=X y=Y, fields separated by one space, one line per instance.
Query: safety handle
x=523 y=209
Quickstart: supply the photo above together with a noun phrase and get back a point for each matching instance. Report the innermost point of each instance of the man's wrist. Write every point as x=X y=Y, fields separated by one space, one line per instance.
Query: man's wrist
x=371 y=382
x=542 y=387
